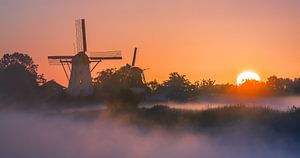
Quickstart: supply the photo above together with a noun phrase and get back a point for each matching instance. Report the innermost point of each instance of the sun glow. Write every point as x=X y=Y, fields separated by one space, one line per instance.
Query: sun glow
x=248 y=75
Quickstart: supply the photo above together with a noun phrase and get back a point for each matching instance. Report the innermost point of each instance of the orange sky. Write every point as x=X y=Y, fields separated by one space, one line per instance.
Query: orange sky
x=203 y=39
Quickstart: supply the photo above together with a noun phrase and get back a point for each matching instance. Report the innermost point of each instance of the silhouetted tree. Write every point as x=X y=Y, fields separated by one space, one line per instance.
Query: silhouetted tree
x=18 y=77
x=104 y=76
x=280 y=85
x=177 y=87
x=24 y=60
x=17 y=83
x=107 y=82
x=224 y=89
x=205 y=87
x=296 y=85
x=153 y=85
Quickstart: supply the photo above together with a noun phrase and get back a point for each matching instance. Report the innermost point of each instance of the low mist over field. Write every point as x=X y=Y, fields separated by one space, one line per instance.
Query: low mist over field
x=276 y=103
x=25 y=134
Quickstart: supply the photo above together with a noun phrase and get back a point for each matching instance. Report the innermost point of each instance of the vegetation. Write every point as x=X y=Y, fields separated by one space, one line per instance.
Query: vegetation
x=19 y=79
x=124 y=100
x=111 y=81
x=213 y=121
x=222 y=116
x=179 y=88
x=24 y=60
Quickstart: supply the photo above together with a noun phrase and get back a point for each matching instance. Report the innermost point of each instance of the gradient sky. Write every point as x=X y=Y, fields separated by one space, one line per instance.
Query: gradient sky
x=215 y=39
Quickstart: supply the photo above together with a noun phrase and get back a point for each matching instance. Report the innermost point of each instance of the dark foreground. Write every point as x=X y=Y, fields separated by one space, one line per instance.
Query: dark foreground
x=235 y=131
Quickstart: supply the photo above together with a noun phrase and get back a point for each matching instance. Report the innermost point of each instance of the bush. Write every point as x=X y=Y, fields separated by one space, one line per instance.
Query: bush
x=124 y=100
x=17 y=83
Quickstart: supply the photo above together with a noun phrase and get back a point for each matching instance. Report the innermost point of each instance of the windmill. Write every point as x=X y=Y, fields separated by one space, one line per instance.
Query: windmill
x=135 y=75
x=80 y=79
x=136 y=71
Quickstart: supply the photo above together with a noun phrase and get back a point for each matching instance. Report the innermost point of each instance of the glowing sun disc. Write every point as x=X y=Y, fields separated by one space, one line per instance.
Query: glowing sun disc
x=248 y=75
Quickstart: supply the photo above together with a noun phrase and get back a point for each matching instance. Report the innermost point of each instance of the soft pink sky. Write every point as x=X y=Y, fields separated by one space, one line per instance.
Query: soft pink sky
x=200 y=38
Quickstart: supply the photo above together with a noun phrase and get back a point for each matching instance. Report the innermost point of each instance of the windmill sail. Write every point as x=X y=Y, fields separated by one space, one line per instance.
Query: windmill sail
x=80 y=35
x=58 y=60
x=107 y=55
x=134 y=57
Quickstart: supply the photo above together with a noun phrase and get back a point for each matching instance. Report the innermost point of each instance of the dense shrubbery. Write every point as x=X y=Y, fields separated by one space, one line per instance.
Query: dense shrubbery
x=216 y=119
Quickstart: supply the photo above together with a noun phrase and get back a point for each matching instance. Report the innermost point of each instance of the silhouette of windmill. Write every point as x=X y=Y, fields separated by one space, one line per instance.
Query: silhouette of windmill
x=80 y=80
x=136 y=77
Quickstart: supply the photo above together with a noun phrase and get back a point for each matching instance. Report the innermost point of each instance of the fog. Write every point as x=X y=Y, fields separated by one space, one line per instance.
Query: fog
x=277 y=103
x=31 y=135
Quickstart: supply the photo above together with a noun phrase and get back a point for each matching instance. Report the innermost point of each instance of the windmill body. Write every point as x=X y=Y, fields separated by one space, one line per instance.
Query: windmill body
x=80 y=83
x=80 y=80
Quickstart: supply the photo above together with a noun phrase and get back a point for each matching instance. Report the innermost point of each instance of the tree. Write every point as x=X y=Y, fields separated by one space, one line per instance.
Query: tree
x=205 y=87
x=153 y=85
x=24 y=60
x=17 y=83
x=104 y=76
x=106 y=83
x=296 y=85
x=177 y=87
x=280 y=85
x=18 y=77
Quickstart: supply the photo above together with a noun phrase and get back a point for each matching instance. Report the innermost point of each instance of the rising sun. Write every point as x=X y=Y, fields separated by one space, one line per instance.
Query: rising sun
x=248 y=75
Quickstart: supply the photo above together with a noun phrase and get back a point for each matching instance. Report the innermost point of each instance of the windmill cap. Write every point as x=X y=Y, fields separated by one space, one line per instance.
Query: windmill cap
x=80 y=58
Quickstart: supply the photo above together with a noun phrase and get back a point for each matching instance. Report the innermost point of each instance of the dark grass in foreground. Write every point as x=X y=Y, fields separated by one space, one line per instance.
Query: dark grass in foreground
x=211 y=121
x=219 y=117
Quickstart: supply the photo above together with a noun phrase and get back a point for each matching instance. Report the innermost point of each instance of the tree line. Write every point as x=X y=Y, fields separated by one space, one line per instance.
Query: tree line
x=19 y=79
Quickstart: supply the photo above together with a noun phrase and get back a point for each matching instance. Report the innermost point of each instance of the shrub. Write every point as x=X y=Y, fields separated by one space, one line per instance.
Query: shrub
x=123 y=100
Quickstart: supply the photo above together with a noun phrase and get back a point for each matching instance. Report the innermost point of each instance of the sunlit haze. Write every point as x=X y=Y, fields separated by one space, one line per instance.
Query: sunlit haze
x=248 y=75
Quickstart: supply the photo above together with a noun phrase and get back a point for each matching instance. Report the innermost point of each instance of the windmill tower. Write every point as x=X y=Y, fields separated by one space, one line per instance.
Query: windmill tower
x=80 y=79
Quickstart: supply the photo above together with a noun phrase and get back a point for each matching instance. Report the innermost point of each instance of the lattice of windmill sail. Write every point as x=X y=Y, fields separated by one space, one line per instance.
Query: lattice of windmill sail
x=105 y=55
x=59 y=60
x=80 y=35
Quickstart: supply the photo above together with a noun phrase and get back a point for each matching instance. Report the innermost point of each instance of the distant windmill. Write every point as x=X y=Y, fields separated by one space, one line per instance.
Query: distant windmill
x=80 y=80
x=135 y=75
